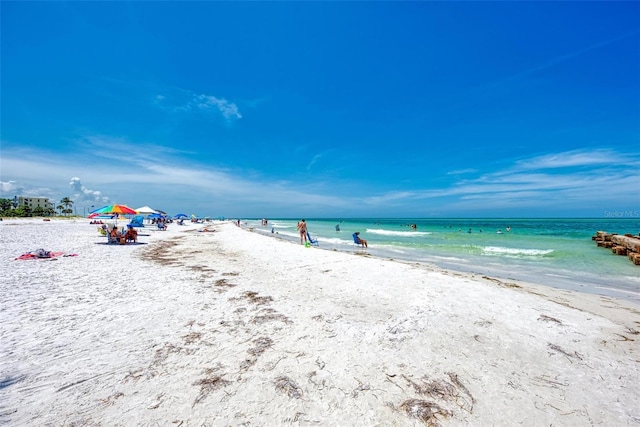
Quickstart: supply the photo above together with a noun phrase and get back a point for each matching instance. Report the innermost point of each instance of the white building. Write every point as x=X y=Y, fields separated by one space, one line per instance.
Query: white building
x=32 y=202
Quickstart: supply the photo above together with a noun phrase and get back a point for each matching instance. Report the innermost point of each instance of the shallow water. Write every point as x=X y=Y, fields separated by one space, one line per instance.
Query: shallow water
x=552 y=252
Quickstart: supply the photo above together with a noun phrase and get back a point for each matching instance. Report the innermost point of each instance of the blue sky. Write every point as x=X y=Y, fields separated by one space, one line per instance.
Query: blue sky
x=324 y=109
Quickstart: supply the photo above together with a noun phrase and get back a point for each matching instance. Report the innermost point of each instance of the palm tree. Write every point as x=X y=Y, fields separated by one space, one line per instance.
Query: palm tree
x=66 y=202
x=60 y=208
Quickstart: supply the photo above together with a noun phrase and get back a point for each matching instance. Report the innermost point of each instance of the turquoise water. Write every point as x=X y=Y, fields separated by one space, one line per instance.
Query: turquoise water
x=552 y=252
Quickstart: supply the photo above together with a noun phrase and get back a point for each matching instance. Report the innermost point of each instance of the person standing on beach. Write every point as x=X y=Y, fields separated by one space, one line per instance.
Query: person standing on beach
x=302 y=229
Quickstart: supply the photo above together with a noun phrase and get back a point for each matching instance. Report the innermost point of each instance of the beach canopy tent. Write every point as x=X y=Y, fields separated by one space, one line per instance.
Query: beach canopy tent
x=146 y=210
x=136 y=221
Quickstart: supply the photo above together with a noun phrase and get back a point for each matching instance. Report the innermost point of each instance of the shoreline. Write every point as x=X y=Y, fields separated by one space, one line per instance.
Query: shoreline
x=572 y=298
x=621 y=286
x=234 y=328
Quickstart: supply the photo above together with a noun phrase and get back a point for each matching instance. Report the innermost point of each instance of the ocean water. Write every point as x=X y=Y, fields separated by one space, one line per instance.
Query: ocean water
x=551 y=252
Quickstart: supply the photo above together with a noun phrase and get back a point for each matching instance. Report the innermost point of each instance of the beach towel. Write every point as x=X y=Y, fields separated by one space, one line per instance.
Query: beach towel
x=43 y=254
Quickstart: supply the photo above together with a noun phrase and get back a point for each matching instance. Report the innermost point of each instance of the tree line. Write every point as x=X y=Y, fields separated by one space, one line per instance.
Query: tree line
x=7 y=209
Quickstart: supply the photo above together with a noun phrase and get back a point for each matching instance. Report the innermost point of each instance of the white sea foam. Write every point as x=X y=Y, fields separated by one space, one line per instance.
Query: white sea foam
x=397 y=233
x=279 y=225
x=499 y=250
x=450 y=258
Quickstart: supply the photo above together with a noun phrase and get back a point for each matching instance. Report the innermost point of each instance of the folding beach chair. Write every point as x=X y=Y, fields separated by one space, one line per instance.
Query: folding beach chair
x=312 y=241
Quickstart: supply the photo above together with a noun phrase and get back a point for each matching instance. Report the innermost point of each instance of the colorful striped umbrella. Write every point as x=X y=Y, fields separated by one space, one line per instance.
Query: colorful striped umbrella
x=100 y=216
x=115 y=209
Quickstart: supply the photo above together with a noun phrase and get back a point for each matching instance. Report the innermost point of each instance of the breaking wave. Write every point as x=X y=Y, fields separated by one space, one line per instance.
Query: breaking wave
x=397 y=233
x=498 y=250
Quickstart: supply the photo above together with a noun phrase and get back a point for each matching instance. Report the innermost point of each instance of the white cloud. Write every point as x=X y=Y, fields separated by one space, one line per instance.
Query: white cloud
x=183 y=100
x=462 y=171
x=316 y=158
x=228 y=109
x=591 y=178
x=9 y=189
x=390 y=197
x=576 y=158
x=83 y=195
x=155 y=176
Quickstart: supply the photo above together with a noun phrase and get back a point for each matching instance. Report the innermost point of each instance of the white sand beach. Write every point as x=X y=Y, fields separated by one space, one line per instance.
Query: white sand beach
x=233 y=328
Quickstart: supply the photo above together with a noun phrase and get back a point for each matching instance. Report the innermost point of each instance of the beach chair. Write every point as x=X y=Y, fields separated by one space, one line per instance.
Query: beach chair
x=356 y=240
x=312 y=241
x=114 y=240
x=131 y=235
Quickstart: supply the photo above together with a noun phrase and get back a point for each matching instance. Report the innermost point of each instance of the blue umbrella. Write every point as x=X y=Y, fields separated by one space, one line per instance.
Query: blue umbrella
x=155 y=216
x=180 y=215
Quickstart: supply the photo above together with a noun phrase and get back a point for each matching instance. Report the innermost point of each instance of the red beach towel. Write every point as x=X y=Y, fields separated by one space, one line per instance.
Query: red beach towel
x=40 y=254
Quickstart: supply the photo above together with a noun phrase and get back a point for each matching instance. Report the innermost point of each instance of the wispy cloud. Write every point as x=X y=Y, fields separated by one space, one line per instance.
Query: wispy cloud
x=488 y=88
x=590 y=177
x=462 y=171
x=316 y=158
x=184 y=100
x=159 y=176
x=143 y=174
x=576 y=158
x=228 y=109
x=567 y=56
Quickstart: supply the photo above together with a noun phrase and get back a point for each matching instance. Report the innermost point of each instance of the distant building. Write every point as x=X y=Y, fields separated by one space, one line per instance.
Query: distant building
x=33 y=202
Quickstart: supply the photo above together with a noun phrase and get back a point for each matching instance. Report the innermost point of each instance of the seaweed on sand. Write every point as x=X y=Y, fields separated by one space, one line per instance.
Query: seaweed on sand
x=254 y=298
x=224 y=283
x=161 y=254
x=425 y=411
x=269 y=315
x=445 y=391
x=208 y=384
x=262 y=344
x=287 y=386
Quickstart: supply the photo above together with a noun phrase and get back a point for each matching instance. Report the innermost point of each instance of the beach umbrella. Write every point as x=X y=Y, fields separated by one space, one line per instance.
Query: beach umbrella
x=155 y=215
x=97 y=215
x=181 y=216
x=115 y=209
x=146 y=210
